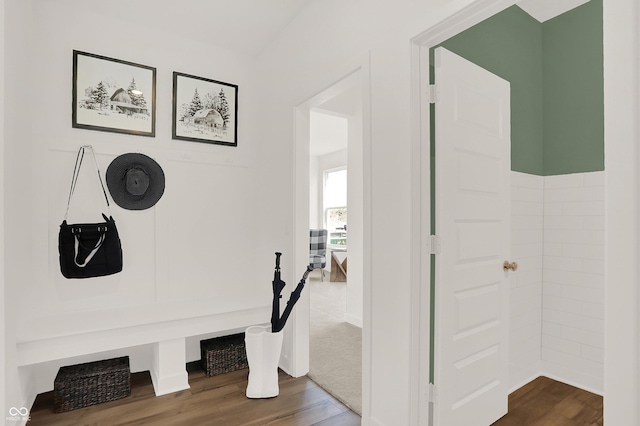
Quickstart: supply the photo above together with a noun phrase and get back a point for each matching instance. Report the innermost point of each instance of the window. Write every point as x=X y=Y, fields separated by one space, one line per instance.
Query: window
x=335 y=206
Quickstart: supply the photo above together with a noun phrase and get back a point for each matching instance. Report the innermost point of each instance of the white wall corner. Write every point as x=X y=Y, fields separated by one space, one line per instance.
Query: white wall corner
x=574 y=281
x=516 y=383
x=543 y=10
x=622 y=331
x=353 y=320
x=168 y=368
x=527 y=205
x=2 y=207
x=14 y=414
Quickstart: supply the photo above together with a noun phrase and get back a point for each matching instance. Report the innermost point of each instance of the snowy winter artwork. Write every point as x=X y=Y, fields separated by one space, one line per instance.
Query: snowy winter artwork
x=204 y=110
x=113 y=95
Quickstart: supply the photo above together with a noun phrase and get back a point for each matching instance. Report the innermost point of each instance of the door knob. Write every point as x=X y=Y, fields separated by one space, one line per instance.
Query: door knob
x=509 y=266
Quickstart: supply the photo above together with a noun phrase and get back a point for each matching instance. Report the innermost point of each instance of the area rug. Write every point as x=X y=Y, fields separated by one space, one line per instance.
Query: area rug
x=335 y=348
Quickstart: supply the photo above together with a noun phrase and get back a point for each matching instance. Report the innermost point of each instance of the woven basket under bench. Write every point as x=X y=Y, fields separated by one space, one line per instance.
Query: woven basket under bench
x=82 y=385
x=223 y=354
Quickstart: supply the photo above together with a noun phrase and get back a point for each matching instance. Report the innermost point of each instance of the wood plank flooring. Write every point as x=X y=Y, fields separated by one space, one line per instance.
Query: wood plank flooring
x=218 y=400
x=546 y=402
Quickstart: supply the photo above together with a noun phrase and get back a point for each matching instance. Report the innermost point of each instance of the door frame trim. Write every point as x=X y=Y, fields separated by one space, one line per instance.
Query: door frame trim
x=351 y=74
x=455 y=21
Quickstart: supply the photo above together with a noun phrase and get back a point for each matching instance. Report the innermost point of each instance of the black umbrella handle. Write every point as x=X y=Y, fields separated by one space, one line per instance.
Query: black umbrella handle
x=278 y=286
x=279 y=324
x=307 y=272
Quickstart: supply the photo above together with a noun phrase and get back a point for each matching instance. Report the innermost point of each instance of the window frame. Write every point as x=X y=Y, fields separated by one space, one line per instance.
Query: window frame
x=326 y=208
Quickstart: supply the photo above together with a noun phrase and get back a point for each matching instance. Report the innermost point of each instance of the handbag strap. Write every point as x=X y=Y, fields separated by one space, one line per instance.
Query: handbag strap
x=76 y=173
x=94 y=250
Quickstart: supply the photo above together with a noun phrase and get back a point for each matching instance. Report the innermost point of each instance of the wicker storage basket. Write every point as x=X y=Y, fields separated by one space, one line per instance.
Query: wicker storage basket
x=82 y=385
x=223 y=354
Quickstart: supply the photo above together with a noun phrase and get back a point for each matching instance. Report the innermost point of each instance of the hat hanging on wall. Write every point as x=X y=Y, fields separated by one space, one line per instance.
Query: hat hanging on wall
x=135 y=181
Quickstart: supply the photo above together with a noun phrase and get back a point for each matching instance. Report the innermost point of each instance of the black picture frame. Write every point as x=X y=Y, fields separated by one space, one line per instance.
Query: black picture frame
x=204 y=110
x=112 y=95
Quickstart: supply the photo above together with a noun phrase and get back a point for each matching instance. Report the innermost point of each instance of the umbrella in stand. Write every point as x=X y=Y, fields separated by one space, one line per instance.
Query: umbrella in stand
x=278 y=286
x=277 y=321
x=263 y=347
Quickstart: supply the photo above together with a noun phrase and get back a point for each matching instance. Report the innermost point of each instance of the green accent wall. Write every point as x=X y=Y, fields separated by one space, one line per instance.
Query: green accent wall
x=557 y=84
x=557 y=93
x=509 y=44
x=573 y=82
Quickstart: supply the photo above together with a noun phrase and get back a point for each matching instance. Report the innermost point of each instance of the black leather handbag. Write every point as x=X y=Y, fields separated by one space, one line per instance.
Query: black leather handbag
x=89 y=249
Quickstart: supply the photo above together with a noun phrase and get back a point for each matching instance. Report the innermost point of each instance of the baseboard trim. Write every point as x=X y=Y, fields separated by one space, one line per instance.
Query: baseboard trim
x=169 y=384
x=573 y=383
x=527 y=381
x=373 y=422
x=354 y=320
x=556 y=378
x=19 y=419
x=572 y=377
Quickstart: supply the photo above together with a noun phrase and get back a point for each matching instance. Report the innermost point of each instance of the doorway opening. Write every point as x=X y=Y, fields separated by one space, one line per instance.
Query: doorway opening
x=531 y=361
x=330 y=158
x=335 y=344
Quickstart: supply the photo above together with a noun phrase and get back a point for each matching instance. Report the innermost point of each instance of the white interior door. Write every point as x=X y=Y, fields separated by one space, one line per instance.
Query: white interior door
x=473 y=145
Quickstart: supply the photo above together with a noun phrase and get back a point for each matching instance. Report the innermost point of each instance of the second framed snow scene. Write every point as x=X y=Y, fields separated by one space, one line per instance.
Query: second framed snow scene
x=204 y=110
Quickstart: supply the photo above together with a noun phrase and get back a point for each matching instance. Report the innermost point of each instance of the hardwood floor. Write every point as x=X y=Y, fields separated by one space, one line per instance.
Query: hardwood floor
x=546 y=402
x=218 y=400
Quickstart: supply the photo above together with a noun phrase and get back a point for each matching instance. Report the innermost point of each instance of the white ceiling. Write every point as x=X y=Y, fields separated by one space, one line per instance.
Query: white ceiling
x=543 y=10
x=245 y=26
x=248 y=26
x=328 y=127
x=327 y=133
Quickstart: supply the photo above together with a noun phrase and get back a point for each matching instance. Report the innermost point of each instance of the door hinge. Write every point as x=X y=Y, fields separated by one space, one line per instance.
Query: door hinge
x=432 y=393
x=433 y=93
x=434 y=244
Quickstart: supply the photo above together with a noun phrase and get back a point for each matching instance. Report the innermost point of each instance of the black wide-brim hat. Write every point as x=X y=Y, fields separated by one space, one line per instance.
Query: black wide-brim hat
x=135 y=181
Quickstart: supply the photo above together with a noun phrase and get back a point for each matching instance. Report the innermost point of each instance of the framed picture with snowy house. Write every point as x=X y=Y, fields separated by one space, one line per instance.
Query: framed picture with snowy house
x=204 y=110
x=112 y=95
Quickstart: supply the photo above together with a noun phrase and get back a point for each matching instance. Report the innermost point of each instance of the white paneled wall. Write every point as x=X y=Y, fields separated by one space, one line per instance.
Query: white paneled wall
x=573 y=279
x=526 y=283
x=557 y=293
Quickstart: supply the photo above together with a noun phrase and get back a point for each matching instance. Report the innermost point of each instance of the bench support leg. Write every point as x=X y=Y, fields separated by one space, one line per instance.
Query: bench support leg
x=168 y=369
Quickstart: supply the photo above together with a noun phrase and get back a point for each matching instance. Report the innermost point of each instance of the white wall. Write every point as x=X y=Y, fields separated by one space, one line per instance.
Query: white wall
x=355 y=231
x=192 y=264
x=573 y=283
x=351 y=158
x=333 y=160
x=527 y=208
x=18 y=183
x=557 y=293
x=325 y=43
x=310 y=55
x=315 y=193
x=621 y=93
x=318 y=165
x=3 y=317
x=321 y=43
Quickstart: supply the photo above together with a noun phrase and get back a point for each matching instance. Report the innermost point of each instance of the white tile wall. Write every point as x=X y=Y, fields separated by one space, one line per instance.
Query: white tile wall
x=557 y=310
x=526 y=283
x=573 y=279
